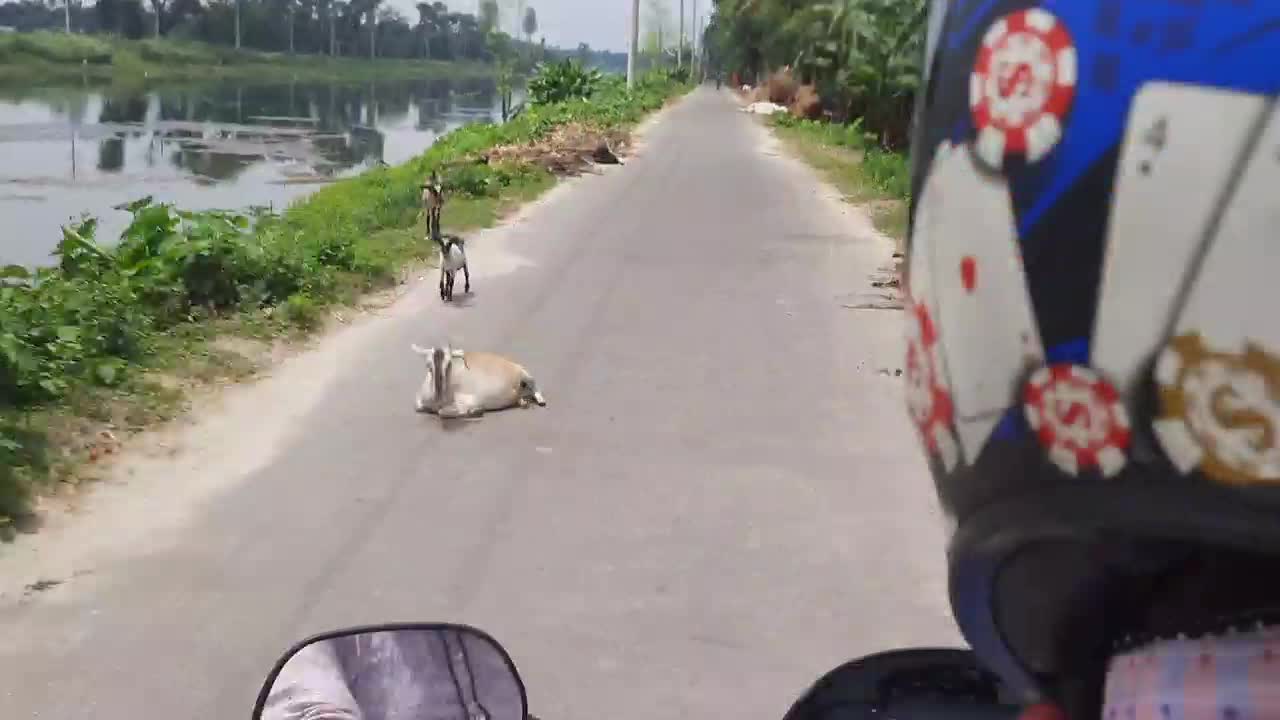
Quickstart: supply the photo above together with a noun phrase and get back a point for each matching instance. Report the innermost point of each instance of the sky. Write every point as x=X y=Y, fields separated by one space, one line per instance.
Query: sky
x=602 y=24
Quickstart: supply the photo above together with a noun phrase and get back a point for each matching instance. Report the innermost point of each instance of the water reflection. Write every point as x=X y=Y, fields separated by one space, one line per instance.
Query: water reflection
x=214 y=145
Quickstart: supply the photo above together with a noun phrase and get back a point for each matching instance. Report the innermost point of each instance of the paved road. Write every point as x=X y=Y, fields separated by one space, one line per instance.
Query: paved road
x=722 y=500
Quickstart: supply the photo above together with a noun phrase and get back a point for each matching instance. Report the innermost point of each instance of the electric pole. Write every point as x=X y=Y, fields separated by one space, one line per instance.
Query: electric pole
x=694 y=61
x=632 y=46
x=680 y=46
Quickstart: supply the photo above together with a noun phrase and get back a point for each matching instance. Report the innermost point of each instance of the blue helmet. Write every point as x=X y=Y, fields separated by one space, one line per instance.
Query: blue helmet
x=1093 y=355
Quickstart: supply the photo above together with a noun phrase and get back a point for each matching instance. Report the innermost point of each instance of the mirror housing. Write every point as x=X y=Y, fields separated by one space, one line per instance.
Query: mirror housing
x=913 y=684
x=395 y=670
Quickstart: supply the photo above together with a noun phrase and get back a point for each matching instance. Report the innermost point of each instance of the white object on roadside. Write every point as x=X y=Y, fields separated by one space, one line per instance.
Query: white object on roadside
x=764 y=108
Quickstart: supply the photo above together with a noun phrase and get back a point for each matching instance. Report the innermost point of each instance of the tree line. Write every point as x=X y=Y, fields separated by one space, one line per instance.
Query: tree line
x=863 y=56
x=366 y=28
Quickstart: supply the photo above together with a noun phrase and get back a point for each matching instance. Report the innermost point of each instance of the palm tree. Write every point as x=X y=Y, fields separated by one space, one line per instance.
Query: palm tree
x=432 y=23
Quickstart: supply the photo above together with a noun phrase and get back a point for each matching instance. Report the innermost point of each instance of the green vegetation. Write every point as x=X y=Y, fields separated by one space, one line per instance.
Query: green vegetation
x=112 y=334
x=560 y=81
x=27 y=58
x=851 y=159
x=863 y=56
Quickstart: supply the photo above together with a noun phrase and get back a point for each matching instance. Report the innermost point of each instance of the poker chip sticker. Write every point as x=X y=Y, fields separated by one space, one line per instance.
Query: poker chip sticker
x=1219 y=410
x=1021 y=87
x=1079 y=418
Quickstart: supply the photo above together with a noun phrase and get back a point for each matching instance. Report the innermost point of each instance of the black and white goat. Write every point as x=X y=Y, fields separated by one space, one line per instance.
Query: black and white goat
x=453 y=256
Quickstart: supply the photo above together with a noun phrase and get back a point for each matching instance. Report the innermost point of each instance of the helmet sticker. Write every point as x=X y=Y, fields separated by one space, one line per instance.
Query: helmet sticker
x=1079 y=419
x=1219 y=378
x=1091 y=271
x=1235 y=275
x=928 y=399
x=928 y=391
x=1023 y=81
x=1181 y=150
x=978 y=297
x=1220 y=411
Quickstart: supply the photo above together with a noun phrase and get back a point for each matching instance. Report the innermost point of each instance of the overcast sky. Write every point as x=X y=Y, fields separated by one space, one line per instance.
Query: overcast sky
x=599 y=23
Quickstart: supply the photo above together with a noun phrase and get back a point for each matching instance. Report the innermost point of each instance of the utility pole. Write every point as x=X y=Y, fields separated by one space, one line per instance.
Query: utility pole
x=694 y=60
x=67 y=11
x=702 y=48
x=680 y=45
x=632 y=46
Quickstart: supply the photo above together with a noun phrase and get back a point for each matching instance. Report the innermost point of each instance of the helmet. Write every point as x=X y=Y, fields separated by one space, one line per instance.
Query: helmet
x=1093 y=355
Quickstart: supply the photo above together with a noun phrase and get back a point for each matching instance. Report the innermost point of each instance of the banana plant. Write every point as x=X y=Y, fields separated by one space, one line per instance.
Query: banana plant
x=864 y=55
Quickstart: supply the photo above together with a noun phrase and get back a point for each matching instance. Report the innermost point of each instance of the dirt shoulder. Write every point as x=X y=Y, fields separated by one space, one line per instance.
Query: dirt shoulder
x=844 y=168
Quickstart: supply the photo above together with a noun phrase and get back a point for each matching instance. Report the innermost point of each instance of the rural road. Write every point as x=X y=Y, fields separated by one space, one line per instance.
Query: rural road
x=722 y=500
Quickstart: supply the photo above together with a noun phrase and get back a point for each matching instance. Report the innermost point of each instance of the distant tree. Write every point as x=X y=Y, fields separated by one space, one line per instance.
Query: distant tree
x=184 y=13
x=530 y=23
x=488 y=16
x=373 y=28
x=338 y=27
x=129 y=18
x=658 y=21
x=157 y=9
x=432 y=25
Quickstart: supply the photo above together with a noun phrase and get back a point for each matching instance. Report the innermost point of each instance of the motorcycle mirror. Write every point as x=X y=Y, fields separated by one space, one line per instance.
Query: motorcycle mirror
x=421 y=670
x=913 y=684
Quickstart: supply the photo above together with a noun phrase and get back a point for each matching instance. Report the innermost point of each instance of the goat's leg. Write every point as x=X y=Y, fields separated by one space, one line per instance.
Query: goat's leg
x=466 y=406
x=466 y=275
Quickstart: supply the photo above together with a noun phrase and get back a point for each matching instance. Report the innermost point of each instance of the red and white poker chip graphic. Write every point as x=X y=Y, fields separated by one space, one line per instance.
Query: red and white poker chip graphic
x=1021 y=88
x=1078 y=417
x=928 y=399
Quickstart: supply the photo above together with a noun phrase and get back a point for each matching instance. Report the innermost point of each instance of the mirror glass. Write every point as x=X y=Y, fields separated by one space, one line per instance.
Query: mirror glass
x=914 y=684
x=426 y=672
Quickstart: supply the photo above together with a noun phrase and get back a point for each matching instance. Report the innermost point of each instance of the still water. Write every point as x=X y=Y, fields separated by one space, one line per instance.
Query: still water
x=66 y=152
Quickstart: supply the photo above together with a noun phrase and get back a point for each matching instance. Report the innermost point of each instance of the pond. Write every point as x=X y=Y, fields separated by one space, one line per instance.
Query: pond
x=70 y=152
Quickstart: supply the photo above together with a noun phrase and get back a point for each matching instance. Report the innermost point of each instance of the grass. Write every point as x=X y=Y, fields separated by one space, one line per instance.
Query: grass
x=113 y=338
x=54 y=57
x=848 y=158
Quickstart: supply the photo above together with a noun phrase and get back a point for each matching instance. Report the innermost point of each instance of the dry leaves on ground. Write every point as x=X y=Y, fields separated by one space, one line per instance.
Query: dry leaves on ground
x=567 y=149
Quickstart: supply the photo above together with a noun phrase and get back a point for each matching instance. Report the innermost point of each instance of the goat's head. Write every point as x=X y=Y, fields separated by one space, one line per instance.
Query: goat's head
x=439 y=365
x=434 y=187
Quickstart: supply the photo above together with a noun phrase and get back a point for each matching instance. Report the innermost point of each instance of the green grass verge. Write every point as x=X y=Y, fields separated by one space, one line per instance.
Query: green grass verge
x=848 y=158
x=113 y=337
x=52 y=57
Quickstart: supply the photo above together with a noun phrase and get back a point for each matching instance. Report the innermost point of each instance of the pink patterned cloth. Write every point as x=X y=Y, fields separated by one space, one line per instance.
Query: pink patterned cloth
x=1233 y=676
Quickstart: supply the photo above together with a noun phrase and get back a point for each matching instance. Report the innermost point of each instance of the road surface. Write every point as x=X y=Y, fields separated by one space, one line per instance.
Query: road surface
x=722 y=500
